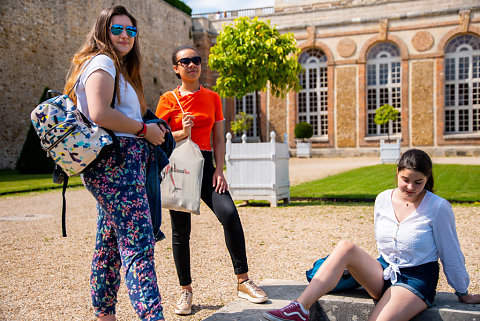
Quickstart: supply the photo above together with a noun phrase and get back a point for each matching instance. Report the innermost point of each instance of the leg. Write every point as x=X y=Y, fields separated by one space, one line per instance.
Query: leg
x=181 y=227
x=365 y=269
x=223 y=207
x=397 y=304
x=105 y=275
x=120 y=192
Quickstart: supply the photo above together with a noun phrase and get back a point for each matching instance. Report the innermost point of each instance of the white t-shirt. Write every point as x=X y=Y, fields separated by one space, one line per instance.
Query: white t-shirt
x=427 y=234
x=129 y=104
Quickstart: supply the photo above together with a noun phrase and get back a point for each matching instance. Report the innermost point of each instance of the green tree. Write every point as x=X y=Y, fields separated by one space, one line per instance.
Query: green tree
x=384 y=114
x=242 y=123
x=249 y=54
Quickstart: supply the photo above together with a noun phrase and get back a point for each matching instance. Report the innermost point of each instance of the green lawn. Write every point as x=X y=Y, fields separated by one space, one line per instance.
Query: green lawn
x=13 y=182
x=453 y=182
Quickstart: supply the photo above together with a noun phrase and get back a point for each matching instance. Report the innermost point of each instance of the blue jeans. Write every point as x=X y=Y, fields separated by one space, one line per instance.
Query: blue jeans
x=421 y=280
x=124 y=232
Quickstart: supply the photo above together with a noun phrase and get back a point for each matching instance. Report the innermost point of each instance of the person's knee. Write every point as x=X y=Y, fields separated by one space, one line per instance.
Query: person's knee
x=345 y=247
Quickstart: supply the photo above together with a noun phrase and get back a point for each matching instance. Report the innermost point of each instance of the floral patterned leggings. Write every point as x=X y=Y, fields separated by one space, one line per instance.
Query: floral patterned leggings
x=124 y=232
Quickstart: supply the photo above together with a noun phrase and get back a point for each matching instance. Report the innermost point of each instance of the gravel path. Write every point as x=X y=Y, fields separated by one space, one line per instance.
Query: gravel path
x=46 y=277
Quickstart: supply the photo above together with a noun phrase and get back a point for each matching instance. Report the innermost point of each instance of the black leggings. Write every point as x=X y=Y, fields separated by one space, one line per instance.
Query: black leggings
x=224 y=208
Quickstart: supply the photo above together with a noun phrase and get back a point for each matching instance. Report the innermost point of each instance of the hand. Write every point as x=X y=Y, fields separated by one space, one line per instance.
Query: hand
x=219 y=181
x=470 y=298
x=155 y=134
x=187 y=123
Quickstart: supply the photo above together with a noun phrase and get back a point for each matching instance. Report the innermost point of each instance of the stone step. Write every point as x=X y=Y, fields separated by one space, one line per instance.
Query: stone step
x=345 y=306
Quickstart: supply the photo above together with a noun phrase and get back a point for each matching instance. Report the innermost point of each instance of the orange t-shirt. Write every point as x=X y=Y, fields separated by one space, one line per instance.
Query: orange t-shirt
x=205 y=105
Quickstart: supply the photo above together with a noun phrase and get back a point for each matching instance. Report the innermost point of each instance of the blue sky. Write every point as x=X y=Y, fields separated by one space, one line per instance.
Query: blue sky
x=202 y=6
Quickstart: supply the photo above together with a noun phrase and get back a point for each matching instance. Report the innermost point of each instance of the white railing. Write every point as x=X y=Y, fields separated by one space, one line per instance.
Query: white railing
x=258 y=171
x=218 y=15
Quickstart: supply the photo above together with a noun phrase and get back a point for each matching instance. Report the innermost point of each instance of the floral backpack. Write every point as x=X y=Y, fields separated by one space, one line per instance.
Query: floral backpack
x=70 y=139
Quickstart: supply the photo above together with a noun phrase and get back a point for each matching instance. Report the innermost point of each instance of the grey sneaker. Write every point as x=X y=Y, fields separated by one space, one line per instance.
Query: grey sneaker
x=184 y=304
x=250 y=291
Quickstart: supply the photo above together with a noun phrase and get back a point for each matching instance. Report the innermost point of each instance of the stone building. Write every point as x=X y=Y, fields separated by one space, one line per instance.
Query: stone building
x=39 y=37
x=421 y=56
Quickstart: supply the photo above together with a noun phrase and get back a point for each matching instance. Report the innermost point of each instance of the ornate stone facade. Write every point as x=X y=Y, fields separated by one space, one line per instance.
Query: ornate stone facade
x=346 y=31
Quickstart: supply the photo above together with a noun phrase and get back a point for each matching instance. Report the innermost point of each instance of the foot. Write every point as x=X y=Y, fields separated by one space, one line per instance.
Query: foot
x=250 y=291
x=184 y=304
x=291 y=312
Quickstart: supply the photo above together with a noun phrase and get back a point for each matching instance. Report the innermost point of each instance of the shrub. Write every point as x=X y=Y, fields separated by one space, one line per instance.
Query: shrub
x=303 y=130
x=180 y=5
x=33 y=159
x=242 y=123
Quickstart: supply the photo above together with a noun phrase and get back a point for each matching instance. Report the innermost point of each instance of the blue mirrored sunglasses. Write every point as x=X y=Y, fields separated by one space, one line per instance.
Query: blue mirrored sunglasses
x=118 y=29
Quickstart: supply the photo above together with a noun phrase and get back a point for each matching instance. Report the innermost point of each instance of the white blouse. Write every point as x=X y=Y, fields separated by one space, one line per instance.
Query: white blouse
x=427 y=234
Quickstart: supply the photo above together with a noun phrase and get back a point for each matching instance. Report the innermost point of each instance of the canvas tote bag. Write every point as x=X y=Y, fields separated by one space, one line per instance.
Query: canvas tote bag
x=182 y=178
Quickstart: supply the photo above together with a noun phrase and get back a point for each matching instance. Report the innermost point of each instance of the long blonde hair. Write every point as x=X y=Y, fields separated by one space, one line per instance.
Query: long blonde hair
x=98 y=42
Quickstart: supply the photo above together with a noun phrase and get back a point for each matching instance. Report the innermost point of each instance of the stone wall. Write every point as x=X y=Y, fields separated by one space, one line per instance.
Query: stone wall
x=39 y=37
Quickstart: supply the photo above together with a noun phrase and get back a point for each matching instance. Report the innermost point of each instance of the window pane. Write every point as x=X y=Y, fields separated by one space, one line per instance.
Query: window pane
x=313 y=102
x=371 y=126
x=450 y=69
x=383 y=96
x=449 y=95
x=383 y=74
x=371 y=75
x=371 y=99
x=314 y=123
x=396 y=97
x=449 y=121
x=323 y=101
x=462 y=94
x=323 y=125
x=396 y=72
x=302 y=102
x=463 y=63
x=476 y=119
x=463 y=120
x=312 y=78
x=323 y=77
x=397 y=125
x=476 y=67
x=476 y=93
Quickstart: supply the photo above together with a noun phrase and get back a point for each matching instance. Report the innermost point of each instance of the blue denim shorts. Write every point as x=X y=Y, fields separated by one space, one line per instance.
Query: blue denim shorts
x=421 y=280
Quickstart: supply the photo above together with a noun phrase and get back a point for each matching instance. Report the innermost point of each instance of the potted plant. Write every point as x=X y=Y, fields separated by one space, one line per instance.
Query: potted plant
x=303 y=132
x=389 y=152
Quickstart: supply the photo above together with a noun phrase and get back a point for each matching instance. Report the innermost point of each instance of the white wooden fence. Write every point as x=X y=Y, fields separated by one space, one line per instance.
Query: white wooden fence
x=258 y=171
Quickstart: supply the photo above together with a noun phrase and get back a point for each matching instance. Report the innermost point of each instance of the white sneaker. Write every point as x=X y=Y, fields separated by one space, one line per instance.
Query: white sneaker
x=250 y=291
x=184 y=304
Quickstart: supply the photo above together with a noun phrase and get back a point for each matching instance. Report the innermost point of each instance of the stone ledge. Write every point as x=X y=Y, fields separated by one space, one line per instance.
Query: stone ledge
x=338 y=307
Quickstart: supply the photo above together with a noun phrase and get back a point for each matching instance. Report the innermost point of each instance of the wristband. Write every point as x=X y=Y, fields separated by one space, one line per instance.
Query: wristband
x=461 y=293
x=143 y=131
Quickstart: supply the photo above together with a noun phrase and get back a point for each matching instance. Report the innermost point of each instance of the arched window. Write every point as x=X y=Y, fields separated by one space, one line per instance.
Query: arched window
x=462 y=85
x=248 y=105
x=383 y=86
x=313 y=95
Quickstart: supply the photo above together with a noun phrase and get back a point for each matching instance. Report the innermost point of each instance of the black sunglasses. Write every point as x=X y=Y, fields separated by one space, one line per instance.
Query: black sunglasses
x=197 y=60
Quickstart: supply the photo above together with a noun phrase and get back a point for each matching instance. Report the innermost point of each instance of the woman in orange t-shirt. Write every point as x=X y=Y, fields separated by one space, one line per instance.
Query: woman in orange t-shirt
x=204 y=118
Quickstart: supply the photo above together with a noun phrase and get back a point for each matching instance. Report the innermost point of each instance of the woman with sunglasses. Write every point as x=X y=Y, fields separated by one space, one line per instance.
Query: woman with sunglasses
x=108 y=62
x=204 y=119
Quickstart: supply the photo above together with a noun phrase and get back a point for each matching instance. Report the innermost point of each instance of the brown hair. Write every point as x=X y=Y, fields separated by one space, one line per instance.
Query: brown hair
x=417 y=160
x=98 y=42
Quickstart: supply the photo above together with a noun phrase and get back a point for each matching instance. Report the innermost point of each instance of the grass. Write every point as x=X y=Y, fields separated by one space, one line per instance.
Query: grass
x=456 y=183
x=13 y=182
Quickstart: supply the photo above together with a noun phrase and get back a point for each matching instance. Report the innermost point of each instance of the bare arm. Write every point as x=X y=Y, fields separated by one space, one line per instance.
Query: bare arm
x=219 y=181
x=99 y=91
